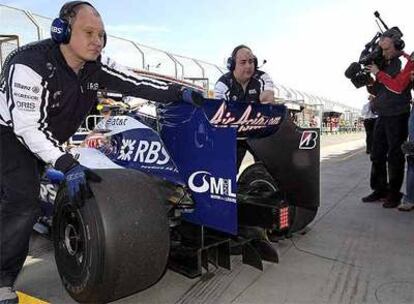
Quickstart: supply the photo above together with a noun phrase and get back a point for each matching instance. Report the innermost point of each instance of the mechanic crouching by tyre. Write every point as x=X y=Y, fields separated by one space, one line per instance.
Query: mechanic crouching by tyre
x=47 y=88
x=244 y=82
x=391 y=128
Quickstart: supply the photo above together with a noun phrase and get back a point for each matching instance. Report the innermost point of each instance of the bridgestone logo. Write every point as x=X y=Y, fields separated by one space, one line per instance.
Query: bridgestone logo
x=308 y=140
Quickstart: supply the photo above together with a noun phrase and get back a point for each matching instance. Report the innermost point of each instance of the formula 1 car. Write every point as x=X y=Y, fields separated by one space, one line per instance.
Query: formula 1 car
x=170 y=196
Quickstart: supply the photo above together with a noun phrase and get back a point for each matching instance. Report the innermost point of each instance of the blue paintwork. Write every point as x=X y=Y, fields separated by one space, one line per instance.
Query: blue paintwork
x=196 y=147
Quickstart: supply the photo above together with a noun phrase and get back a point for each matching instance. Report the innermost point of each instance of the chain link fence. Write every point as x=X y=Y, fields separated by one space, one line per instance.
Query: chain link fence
x=28 y=27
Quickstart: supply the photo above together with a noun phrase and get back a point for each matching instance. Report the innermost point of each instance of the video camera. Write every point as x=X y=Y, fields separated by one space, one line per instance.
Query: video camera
x=372 y=54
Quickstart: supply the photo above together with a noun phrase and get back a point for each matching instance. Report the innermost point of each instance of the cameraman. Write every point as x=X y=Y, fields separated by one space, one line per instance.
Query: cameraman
x=398 y=84
x=391 y=128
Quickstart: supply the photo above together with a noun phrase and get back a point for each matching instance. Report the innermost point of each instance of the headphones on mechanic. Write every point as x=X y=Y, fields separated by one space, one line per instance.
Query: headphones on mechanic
x=61 y=29
x=395 y=34
x=231 y=61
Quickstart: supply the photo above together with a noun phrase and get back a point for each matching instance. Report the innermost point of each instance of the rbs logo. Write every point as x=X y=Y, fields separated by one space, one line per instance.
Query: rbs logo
x=56 y=30
x=148 y=152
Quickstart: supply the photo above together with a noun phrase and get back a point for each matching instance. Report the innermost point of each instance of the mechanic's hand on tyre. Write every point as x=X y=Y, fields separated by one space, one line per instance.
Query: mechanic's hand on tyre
x=193 y=97
x=77 y=179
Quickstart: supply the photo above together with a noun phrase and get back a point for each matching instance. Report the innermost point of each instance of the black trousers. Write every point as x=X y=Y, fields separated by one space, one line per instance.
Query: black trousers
x=369 y=125
x=389 y=134
x=19 y=205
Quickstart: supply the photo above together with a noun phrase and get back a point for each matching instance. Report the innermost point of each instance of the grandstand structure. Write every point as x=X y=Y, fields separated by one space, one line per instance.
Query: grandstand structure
x=18 y=27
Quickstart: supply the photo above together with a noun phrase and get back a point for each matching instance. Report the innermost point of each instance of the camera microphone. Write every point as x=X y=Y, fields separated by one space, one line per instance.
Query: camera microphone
x=264 y=62
x=377 y=15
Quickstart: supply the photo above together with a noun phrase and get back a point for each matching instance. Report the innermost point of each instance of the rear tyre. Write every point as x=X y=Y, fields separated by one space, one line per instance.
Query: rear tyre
x=257 y=178
x=117 y=243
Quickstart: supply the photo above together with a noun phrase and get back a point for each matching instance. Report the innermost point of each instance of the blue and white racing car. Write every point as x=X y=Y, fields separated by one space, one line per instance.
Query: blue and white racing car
x=170 y=196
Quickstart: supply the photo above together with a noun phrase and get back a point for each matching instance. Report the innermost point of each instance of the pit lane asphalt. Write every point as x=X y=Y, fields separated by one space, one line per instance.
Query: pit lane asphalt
x=351 y=253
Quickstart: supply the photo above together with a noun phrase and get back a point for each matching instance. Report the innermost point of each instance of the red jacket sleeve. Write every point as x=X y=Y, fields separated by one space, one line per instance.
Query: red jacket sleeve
x=400 y=82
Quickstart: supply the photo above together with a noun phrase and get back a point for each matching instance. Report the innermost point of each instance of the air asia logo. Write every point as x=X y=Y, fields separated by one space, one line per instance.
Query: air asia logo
x=308 y=140
x=219 y=188
x=247 y=120
x=147 y=152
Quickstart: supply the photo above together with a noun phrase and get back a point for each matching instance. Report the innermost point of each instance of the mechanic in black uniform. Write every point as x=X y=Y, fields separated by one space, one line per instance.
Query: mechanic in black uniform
x=244 y=82
x=391 y=128
x=47 y=89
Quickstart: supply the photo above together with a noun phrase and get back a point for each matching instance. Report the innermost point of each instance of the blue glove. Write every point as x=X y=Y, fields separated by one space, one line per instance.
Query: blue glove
x=193 y=97
x=77 y=186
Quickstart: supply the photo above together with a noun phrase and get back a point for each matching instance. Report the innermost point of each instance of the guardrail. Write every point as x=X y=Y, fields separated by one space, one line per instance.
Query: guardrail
x=29 y=27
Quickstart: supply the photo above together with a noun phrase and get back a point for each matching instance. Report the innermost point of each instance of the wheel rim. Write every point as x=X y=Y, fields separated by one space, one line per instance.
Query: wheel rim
x=72 y=244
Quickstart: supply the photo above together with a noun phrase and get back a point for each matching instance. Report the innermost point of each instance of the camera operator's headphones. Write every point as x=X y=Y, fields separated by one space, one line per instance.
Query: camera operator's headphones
x=395 y=34
x=61 y=29
x=231 y=61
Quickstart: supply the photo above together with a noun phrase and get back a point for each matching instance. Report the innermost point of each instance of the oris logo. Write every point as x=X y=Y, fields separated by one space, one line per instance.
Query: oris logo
x=147 y=152
x=26 y=106
x=56 y=30
x=219 y=188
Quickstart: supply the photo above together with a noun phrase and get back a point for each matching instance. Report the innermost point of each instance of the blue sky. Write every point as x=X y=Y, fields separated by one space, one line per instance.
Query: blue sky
x=308 y=44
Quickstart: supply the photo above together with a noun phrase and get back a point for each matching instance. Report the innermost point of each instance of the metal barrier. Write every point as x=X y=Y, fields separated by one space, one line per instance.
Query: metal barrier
x=31 y=27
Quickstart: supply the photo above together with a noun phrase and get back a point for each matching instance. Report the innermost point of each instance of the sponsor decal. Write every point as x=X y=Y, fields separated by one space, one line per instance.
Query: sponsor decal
x=57 y=30
x=51 y=68
x=217 y=187
x=116 y=121
x=25 y=96
x=26 y=106
x=308 y=140
x=21 y=86
x=57 y=94
x=35 y=90
x=246 y=122
x=47 y=193
x=146 y=152
x=128 y=146
x=252 y=91
x=93 y=86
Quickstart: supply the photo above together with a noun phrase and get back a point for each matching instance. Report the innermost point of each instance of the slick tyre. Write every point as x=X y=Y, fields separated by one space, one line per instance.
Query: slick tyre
x=117 y=243
x=258 y=177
